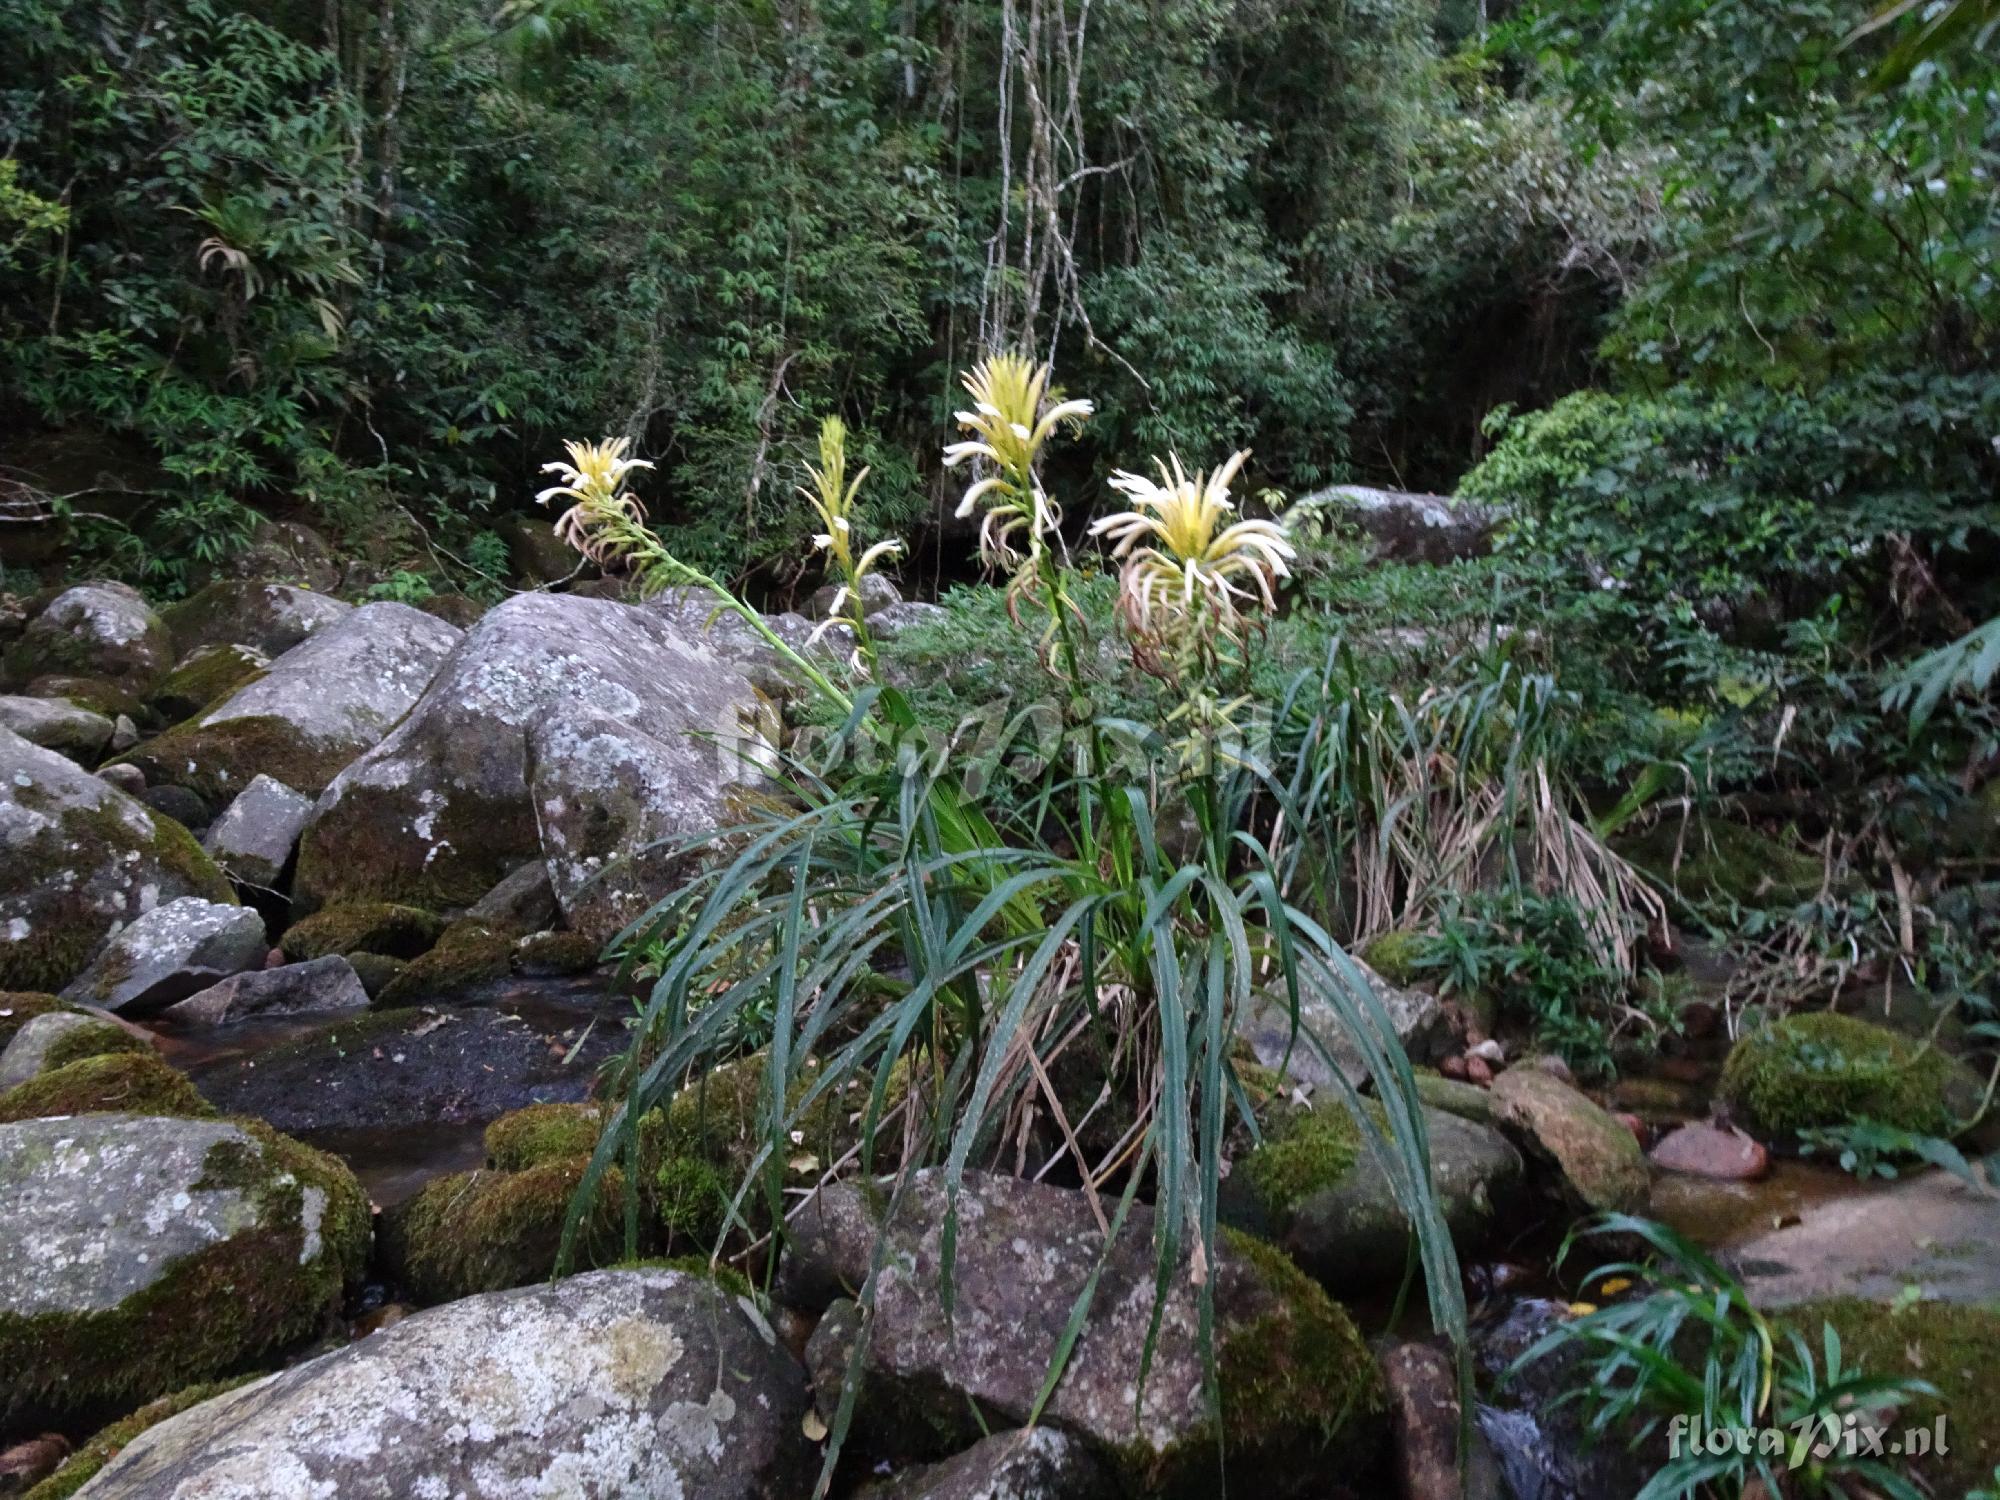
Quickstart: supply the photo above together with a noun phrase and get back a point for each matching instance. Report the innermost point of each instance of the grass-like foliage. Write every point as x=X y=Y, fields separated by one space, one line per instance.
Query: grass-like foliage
x=1687 y=1345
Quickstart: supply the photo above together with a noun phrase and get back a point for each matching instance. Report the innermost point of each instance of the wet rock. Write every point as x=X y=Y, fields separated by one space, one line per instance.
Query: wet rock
x=318 y=986
x=1711 y=1151
x=1422 y=1382
x=204 y=676
x=1300 y=1394
x=647 y=1384
x=169 y=953
x=877 y=594
x=83 y=859
x=1032 y=1463
x=151 y=1252
x=1930 y=1231
x=254 y=837
x=1540 y=1439
x=441 y=809
x=1408 y=527
x=1599 y=1160
x=267 y=617
x=319 y=706
x=1316 y=1189
x=59 y=725
x=57 y=1038
x=1821 y=1068
x=1413 y=1016
x=102 y=630
x=522 y=902
x=396 y=1068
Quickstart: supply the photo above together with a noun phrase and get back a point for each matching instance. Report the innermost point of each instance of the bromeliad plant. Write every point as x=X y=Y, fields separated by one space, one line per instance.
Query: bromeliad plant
x=893 y=934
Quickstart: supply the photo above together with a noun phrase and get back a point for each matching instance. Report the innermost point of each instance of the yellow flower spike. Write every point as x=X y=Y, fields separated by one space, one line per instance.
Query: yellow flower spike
x=1182 y=555
x=1009 y=427
x=601 y=524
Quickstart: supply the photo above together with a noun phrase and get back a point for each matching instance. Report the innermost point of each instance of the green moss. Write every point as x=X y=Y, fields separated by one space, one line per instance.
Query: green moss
x=542 y=1132
x=691 y=1200
x=98 y=694
x=1954 y=1347
x=728 y=1278
x=362 y=927
x=1725 y=861
x=226 y=756
x=1303 y=1151
x=205 y=678
x=347 y=858
x=467 y=955
x=1394 y=956
x=97 y=1450
x=95 y=1039
x=375 y=970
x=486 y=1231
x=19 y=1007
x=66 y=928
x=1828 y=1069
x=241 y=1297
x=556 y=953
x=134 y=1083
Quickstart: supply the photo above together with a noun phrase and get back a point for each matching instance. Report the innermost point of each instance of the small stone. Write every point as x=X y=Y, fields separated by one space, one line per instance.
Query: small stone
x=26 y=1465
x=124 y=734
x=1454 y=1067
x=1478 y=1070
x=319 y=986
x=128 y=779
x=1489 y=1051
x=1711 y=1151
x=1555 y=1067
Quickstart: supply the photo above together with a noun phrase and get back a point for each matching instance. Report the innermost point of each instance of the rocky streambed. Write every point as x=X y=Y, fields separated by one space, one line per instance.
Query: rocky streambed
x=304 y=1018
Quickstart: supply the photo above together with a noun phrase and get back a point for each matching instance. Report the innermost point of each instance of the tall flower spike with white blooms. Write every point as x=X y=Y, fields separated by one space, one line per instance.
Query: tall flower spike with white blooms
x=1183 y=556
x=832 y=498
x=1009 y=425
x=599 y=524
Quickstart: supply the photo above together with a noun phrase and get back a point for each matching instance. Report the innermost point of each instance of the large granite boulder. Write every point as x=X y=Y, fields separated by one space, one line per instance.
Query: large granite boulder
x=1300 y=1396
x=169 y=953
x=82 y=861
x=105 y=631
x=1413 y=1017
x=1405 y=526
x=271 y=617
x=1599 y=1159
x=319 y=706
x=146 y=1253
x=616 y=1385
x=621 y=704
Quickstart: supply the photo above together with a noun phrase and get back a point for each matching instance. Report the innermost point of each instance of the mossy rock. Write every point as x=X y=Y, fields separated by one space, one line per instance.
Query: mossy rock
x=150 y=1289
x=467 y=955
x=19 y=1007
x=1954 y=1347
x=1715 y=861
x=375 y=971
x=93 y=1039
x=135 y=1083
x=98 y=694
x=542 y=1133
x=97 y=1450
x=486 y=1231
x=363 y=927
x=1395 y=955
x=217 y=760
x=556 y=953
x=206 y=677
x=1823 y=1068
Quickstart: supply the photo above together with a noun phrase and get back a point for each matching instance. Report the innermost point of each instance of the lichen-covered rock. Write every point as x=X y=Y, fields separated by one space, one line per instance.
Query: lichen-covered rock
x=57 y=1038
x=204 y=676
x=440 y=810
x=59 y=725
x=97 y=1450
x=254 y=837
x=1316 y=1189
x=395 y=1068
x=103 y=630
x=169 y=953
x=1030 y=1463
x=1413 y=1016
x=1599 y=1158
x=616 y=1385
x=321 y=704
x=1300 y=1395
x=117 y=1082
x=19 y=1007
x=877 y=594
x=319 y=986
x=1822 y=1068
x=147 y=1253
x=83 y=860
x=892 y=621
x=1409 y=527
x=269 y=617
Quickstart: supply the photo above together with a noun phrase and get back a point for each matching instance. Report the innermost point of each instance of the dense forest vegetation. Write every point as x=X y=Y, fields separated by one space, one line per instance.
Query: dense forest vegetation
x=1691 y=307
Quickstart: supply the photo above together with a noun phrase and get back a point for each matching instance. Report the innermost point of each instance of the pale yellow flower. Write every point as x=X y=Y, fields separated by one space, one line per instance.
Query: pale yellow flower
x=832 y=498
x=599 y=524
x=1010 y=423
x=1184 y=556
